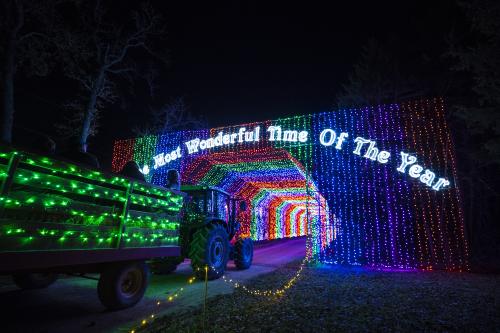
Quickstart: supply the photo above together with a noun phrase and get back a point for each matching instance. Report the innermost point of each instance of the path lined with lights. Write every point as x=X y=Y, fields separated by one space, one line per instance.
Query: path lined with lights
x=71 y=304
x=275 y=292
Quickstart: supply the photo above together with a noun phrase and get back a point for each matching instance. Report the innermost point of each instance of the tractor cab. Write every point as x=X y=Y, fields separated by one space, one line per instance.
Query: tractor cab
x=209 y=233
x=215 y=205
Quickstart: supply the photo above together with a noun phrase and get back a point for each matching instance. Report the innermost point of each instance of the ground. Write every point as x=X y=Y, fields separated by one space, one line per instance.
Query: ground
x=71 y=304
x=325 y=299
x=340 y=299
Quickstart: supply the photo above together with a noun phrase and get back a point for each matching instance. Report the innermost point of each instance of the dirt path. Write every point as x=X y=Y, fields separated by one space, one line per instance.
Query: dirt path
x=71 y=304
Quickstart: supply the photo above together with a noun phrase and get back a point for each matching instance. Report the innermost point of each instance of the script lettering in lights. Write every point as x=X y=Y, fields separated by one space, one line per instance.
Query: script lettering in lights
x=165 y=158
x=371 y=151
x=223 y=139
x=277 y=134
x=144 y=170
x=328 y=137
x=368 y=149
x=415 y=171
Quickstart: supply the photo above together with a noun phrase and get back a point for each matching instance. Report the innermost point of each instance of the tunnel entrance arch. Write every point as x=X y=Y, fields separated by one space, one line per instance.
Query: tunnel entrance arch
x=379 y=180
x=284 y=202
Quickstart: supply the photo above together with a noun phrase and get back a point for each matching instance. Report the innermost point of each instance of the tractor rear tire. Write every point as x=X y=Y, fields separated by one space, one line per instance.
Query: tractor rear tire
x=243 y=253
x=165 y=265
x=209 y=248
x=34 y=280
x=122 y=285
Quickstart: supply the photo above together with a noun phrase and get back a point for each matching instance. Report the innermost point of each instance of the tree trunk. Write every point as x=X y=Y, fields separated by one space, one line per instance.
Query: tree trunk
x=8 y=78
x=8 y=97
x=91 y=105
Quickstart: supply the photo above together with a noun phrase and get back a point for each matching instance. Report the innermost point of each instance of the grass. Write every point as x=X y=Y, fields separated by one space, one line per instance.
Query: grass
x=338 y=299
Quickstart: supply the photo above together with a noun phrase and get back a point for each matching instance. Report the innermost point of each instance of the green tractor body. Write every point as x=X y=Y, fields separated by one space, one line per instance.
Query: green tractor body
x=209 y=233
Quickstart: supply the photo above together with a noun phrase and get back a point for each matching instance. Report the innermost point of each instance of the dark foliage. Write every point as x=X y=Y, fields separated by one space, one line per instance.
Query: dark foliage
x=27 y=30
x=476 y=126
x=466 y=71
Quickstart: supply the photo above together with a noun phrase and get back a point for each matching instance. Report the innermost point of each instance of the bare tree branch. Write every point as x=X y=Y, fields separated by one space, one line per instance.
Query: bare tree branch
x=173 y=116
x=100 y=54
x=22 y=47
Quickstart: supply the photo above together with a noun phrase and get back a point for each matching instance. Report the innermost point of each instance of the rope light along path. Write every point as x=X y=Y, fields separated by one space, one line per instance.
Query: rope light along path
x=279 y=291
x=287 y=285
x=170 y=299
x=256 y=292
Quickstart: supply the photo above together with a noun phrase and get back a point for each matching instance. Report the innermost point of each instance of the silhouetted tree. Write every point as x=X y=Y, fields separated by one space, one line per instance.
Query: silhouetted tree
x=477 y=128
x=173 y=116
x=26 y=41
x=101 y=53
x=481 y=60
x=375 y=79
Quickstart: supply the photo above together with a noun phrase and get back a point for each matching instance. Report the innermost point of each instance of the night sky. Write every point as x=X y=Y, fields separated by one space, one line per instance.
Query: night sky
x=242 y=62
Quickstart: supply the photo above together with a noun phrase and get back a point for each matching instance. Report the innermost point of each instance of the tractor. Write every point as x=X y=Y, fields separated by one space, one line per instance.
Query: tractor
x=209 y=234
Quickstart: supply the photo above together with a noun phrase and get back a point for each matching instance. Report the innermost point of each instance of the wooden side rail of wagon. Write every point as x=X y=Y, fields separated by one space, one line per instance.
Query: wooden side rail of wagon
x=59 y=217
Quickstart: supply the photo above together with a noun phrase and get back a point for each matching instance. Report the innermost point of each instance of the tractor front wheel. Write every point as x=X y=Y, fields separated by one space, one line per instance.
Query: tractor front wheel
x=243 y=253
x=209 y=249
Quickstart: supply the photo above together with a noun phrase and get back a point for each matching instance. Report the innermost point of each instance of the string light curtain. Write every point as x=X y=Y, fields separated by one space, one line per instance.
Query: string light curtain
x=373 y=186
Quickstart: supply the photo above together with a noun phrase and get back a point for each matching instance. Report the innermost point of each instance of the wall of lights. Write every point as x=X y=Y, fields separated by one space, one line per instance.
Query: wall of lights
x=371 y=186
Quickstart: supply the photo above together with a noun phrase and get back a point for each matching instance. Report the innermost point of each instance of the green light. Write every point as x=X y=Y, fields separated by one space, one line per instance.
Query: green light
x=81 y=209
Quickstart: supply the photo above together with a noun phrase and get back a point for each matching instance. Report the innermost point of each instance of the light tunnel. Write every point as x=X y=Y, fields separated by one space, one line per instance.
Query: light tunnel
x=369 y=186
x=282 y=201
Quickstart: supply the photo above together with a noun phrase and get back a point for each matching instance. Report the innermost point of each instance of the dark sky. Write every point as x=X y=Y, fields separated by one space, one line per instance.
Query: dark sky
x=243 y=62
x=237 y=62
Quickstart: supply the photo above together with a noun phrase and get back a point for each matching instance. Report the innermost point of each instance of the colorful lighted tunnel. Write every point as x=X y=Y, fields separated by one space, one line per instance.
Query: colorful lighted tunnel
x=299 y=178
x=282 y=201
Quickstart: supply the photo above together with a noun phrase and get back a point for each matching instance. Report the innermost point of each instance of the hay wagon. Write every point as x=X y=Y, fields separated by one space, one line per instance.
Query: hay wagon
x=59 y=217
